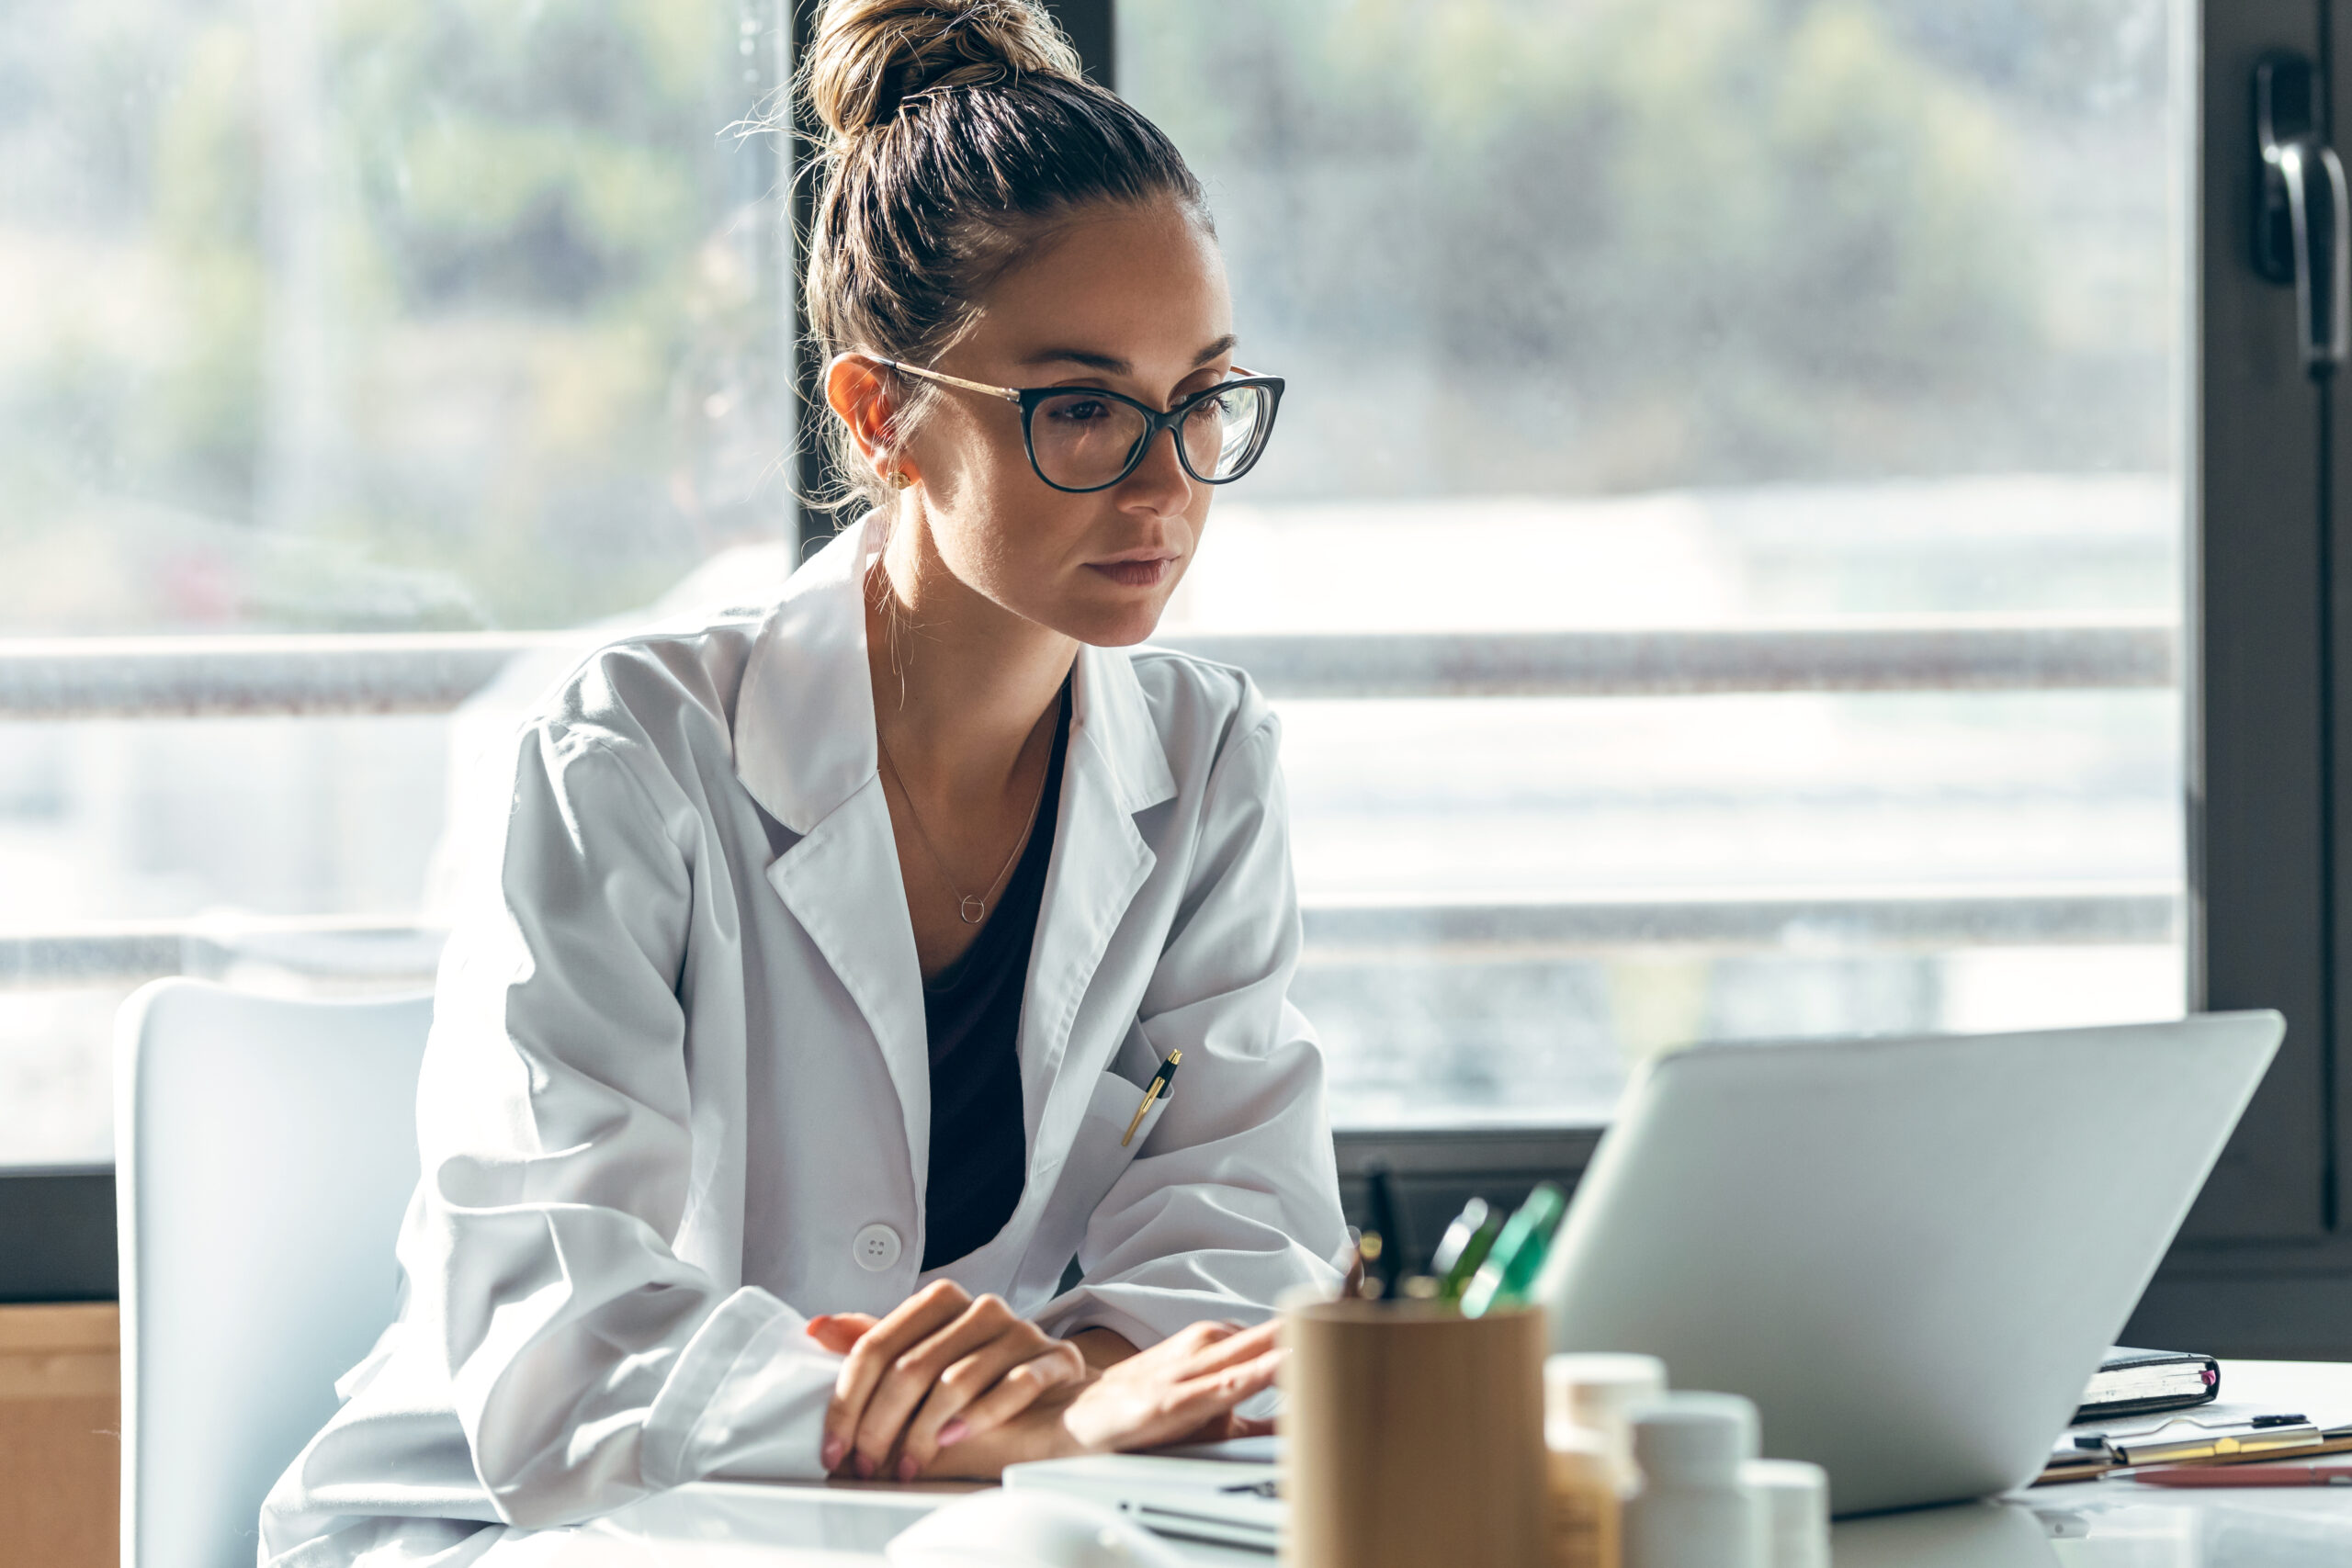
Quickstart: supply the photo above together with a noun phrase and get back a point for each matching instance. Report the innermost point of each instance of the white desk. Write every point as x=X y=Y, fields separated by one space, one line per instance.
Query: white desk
x=2104 y=1524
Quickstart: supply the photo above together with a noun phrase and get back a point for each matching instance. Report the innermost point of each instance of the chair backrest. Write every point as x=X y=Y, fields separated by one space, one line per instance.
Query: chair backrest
x=265 y=1151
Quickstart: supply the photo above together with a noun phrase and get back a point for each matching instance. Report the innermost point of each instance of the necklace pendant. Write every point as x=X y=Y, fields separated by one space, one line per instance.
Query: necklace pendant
x=972 y=910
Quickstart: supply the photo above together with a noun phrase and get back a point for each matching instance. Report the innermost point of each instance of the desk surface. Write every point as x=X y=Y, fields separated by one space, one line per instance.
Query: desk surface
x=2102 y=1524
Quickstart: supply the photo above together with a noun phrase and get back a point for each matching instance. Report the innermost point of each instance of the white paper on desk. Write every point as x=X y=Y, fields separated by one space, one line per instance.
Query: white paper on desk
x=2221 y=1415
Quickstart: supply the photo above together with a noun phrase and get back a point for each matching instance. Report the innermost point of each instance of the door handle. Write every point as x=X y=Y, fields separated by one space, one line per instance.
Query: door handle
x=2302 y=218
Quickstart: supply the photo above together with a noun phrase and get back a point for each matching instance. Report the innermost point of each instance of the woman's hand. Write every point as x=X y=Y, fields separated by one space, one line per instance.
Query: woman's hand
x=943 y=1368
x=1183 y=1390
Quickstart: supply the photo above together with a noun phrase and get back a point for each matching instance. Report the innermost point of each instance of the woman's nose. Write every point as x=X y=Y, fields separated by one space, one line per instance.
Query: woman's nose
x=1159 y=481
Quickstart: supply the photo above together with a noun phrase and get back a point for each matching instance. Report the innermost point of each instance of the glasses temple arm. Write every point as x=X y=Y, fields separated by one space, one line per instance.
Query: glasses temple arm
x=1006 y=394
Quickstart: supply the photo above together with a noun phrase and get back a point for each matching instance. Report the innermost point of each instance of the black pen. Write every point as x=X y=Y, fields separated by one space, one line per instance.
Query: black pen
x=1152 y=1090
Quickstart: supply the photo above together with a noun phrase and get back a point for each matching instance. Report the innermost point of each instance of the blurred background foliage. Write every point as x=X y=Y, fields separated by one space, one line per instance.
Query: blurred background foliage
x=1577 y=247
x=387 y=315
x=457 y=312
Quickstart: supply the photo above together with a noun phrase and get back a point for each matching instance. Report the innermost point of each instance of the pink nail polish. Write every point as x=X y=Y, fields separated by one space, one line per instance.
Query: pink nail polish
x=864 y=1468
x=952 y=1433
x=831 y=1454
x=907 y=1467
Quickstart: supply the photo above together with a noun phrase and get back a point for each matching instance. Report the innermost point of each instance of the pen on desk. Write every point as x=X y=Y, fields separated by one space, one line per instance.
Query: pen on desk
x=2249 y=1475
x=2264 y=1438
x=1153 y=1091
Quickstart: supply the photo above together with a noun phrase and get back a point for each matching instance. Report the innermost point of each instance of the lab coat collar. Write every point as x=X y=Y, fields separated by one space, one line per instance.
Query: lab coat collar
x=803 y=721
x=805 y=749
x=1109 y=714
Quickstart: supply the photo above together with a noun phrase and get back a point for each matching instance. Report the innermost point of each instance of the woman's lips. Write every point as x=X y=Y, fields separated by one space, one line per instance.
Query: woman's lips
x=1134 y=574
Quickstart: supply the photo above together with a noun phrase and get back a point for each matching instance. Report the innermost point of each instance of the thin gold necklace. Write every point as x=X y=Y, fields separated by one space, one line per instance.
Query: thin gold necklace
x=971 y=910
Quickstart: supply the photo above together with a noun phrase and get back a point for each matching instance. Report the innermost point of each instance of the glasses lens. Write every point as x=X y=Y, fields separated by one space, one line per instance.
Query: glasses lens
x=1082 y=439
x=1223 y=434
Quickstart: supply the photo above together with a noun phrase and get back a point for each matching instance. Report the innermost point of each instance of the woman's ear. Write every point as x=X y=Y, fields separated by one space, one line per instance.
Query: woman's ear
x=866 y=397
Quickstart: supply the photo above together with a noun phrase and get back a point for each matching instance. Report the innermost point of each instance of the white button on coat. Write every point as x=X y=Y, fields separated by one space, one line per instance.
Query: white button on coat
x=876 y=1247
x=678 y=1058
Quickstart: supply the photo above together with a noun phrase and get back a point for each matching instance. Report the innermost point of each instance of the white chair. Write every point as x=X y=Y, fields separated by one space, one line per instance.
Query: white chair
x=265 y=1150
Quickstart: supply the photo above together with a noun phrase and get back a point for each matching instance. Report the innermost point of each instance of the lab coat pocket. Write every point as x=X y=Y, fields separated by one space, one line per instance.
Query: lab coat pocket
x=1097 y=1156
x=1096 y=1162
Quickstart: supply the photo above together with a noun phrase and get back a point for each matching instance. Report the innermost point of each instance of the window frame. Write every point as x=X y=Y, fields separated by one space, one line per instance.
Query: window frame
x=2264 y=1266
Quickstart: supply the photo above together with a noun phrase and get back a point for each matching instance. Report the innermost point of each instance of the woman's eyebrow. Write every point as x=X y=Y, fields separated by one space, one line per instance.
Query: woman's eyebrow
x=1112 y=365
x=1109 y=364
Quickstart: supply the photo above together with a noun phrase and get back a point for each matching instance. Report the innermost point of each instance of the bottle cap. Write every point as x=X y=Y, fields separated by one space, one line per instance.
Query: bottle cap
x=1694 y=1439
x=1796 y=1499
x=1594 y=1390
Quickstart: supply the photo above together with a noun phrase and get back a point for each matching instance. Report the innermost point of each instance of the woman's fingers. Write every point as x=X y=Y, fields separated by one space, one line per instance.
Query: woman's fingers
x=868 y=1360
x=1224 y=1429
x=1175 y=1388
x=839 y=1331
x=1234 y=1382
x=1179 y=1351
x=981 y=1393
x=1204 y=1399
x=910 y=1376
x=1236 y=1345
x=936 y=1381
x=907 y=1378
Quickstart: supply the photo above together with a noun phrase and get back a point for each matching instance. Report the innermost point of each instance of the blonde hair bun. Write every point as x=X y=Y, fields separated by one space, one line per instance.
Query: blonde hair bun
x=870 y=56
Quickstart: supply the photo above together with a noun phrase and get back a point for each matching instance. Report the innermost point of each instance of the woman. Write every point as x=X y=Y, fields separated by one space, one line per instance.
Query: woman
x=831 y=948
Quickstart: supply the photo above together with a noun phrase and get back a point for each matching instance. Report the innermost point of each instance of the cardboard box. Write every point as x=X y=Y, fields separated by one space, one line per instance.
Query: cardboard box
x=61 y=1435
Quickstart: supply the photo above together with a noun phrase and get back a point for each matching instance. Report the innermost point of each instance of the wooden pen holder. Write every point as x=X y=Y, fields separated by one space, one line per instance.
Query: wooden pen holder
x=1413 y=1435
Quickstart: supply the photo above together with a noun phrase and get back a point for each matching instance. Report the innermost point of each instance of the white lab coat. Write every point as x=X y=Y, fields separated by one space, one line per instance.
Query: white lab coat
x=676 y=1097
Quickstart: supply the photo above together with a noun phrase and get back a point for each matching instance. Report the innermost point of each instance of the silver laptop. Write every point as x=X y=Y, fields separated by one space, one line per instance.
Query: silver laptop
x=1910 y=1253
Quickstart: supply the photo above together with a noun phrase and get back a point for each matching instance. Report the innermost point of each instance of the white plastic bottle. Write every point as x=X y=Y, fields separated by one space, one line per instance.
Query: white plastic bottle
x=1595 y=1392
x=1694 y=1508
x=1795 y=1497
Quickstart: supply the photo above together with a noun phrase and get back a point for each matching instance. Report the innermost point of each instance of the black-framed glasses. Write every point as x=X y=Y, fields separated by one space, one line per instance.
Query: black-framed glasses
x=1083 y=438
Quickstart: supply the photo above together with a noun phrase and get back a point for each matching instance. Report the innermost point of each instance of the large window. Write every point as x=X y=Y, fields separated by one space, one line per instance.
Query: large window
x=1799 y=383
x=1718 y=566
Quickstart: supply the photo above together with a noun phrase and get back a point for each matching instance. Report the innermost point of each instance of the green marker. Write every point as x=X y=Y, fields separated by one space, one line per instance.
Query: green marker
x=1468 y=1242
x=1502 y=1281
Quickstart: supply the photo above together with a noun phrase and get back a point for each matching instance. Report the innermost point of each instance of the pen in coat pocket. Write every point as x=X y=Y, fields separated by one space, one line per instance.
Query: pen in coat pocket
x=1152 y=1090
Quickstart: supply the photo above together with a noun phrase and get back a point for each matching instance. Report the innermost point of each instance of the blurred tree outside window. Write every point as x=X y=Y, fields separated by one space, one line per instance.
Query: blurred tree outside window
x=342 y=314
x=1708 y=313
